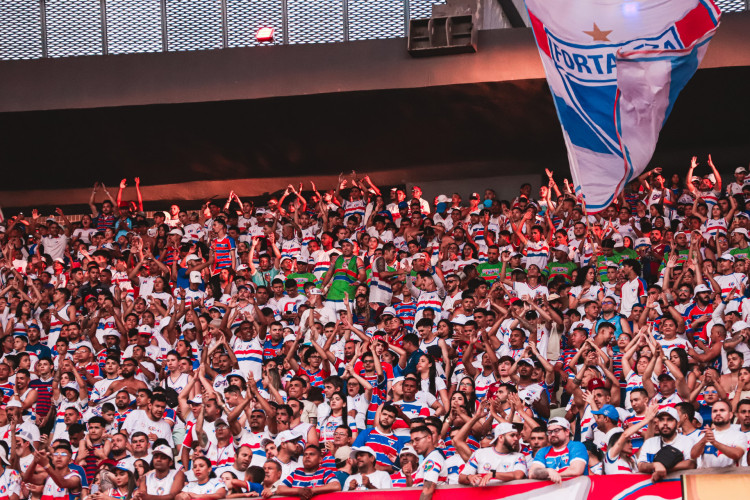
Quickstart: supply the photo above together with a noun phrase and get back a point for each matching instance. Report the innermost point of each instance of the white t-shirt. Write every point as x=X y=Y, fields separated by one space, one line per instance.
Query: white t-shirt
x=210 y=486
x=652 y=446
x=432 y=469
x=138 y=421
x=711 y=457
x=380 y=479
x=55 y=247
x=486 y=460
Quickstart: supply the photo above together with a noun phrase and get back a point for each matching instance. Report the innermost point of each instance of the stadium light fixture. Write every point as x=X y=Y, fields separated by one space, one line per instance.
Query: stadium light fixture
x=264 y=35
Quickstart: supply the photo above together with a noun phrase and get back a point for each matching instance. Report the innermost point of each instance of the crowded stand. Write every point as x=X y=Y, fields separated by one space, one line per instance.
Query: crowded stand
x=358 y=339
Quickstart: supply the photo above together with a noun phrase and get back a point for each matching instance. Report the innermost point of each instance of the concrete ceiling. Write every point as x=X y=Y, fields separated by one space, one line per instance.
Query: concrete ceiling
x=505 y=125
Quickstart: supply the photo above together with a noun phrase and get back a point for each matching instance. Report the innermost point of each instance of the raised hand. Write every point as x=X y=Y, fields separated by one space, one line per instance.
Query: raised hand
x=137 y=181
x=123 y=183
x=693 y=162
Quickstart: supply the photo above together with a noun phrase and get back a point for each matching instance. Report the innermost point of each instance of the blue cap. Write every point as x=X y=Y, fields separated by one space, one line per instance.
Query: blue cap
x=403 y=204
x=608 y=411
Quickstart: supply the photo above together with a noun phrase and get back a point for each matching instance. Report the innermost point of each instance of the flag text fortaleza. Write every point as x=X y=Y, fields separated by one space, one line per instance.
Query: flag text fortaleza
x=615 y=68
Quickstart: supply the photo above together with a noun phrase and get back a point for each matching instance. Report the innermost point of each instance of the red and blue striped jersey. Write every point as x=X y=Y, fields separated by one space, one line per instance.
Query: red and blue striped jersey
x=382 y=444
x=407 y=312
x=301 y=479
x=223 y=249
x=271 y=350
x=399 y=479
x=44 y=399
x=636 y=439
x=8 y=390
x=316 y=378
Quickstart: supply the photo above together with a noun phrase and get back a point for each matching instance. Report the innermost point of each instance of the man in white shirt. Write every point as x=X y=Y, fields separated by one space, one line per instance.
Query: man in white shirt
x=150 y=421
x=367 y=477
x=720 y=445
x=499 y=462
x=666 y=420
x=634 y=288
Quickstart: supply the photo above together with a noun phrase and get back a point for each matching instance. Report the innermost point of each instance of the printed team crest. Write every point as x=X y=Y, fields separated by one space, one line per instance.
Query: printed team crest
x=429 y=465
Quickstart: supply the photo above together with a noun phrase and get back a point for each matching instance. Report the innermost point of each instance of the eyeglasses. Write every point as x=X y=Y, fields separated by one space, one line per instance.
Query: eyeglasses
x=554 y=431
x=710 y=392
x=60 y=454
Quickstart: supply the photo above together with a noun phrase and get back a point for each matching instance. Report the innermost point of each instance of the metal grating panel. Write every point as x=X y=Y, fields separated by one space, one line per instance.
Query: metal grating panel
x=731 y=5
x=422 y=9
x=133 y=26
x=315 y=21
x=382 y=19
x=74 y=28
x=20 y=29
x=245 y=17
x=194 y=24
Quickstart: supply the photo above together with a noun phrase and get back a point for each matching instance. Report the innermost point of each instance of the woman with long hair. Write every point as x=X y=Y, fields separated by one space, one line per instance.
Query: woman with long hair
x=123 y=479
x=339 y=416
x=585 y=288
x=467 y=386
x=469 y=255
x=430 y=381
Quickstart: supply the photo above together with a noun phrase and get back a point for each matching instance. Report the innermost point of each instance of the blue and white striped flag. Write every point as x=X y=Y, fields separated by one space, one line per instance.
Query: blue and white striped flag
x=615 y=68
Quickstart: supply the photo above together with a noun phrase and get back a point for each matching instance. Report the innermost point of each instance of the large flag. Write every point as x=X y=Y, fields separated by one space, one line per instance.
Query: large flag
x=615 y=68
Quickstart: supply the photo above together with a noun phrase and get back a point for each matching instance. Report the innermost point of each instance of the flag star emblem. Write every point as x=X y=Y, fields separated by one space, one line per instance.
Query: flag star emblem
x=599 y=35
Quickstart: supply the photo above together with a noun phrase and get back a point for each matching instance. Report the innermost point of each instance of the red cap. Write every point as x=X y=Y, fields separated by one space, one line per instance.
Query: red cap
x=89 y=297
x=492 y=389
x=596 y=383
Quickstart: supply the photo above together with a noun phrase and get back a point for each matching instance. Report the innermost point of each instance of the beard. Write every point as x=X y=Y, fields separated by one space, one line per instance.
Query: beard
x=511 y=447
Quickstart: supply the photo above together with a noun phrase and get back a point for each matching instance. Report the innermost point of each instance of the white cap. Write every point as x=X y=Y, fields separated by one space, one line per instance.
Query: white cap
x=727 y=256
x=145 y=329
x=443 y=199
x=700 y=289
x=285 y=436
x=409 y=449
x=188 y=326
x=111 y=332
x=561 y=421
x=642 y=242
x=242 y=267
x=503 y=428
x=742 y=231
x=195 y=277
x=197 y=400
x=176 y=231
x=164 y=450
x=69 y=385
x=739 y=326
x=389 y=311
x=192 y=256
x=315 y=291
x=669 y=411
x=419 y=255
x=86 y=345
x=126 y=466
x=617 y=238
x=561 y=248
x=363 y=449
x=740 y=170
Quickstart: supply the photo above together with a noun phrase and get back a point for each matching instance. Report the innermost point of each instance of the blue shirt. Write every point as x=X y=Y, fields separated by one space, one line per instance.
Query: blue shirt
x=560 y=460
